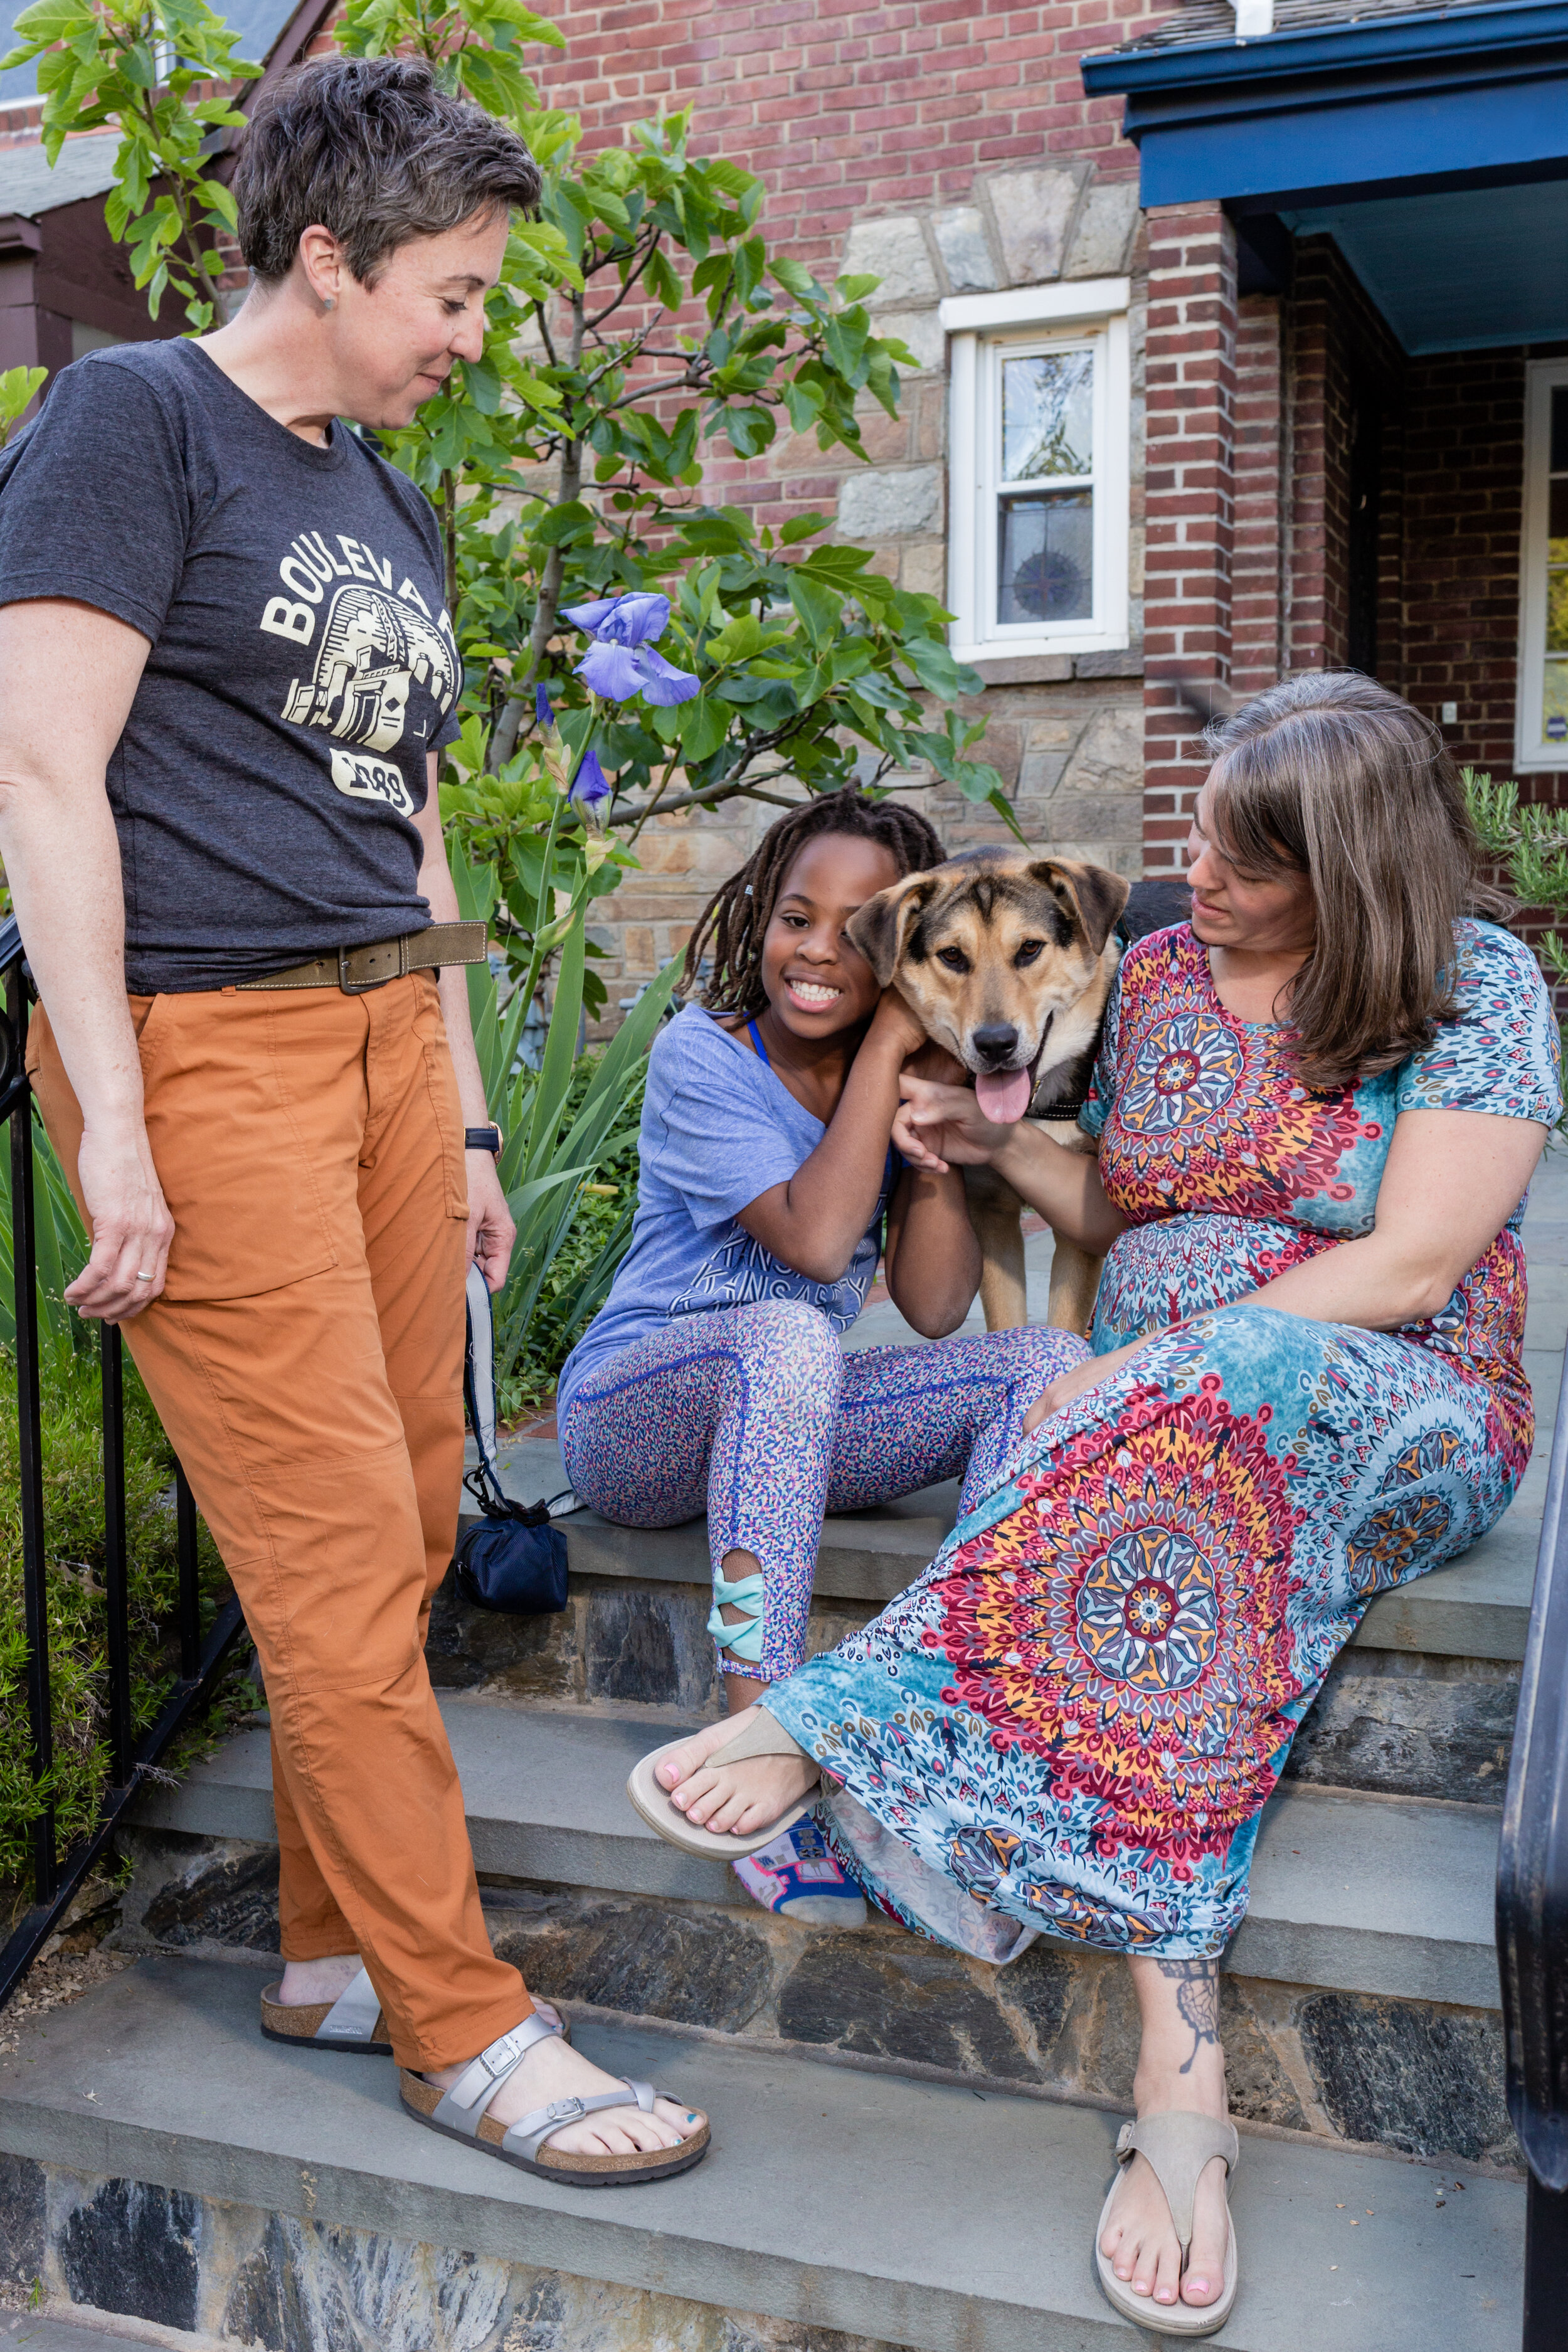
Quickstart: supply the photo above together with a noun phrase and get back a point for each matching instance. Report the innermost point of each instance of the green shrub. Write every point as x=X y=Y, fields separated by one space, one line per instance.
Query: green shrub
x=71 y=1399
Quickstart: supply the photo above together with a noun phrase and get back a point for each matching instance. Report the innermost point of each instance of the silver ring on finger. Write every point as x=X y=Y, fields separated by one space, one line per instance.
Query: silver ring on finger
x=144 y=1278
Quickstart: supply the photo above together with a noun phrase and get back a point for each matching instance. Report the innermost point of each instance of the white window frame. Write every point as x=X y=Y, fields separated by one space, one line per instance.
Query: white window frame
x=1532 y=750
x=983 y=328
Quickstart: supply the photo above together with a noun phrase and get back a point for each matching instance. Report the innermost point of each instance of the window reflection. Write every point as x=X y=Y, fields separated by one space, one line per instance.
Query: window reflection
x=1045 y=558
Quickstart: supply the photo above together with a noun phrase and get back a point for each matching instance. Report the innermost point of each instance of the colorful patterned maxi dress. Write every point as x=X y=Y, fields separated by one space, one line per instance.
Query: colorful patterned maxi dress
x=1071 y=1721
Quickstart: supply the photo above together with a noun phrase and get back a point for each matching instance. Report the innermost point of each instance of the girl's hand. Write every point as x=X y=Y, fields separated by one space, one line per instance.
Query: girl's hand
x=1083 y=1377
x=941 y=1125
x=893 y=1024
x=934 y=1061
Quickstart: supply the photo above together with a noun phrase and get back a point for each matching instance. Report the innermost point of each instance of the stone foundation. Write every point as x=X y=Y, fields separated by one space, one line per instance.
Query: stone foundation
x=232 y=2273
x=1416 y=2076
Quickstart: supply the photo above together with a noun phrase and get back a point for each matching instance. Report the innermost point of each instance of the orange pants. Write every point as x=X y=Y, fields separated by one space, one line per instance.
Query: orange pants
x=306 y=1359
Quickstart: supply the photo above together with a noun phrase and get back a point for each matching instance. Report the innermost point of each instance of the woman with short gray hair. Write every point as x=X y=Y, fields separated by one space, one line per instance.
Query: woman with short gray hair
x=226 y=668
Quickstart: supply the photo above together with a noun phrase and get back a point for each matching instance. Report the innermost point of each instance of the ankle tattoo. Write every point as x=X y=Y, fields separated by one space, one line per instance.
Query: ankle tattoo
x=1197 y=2000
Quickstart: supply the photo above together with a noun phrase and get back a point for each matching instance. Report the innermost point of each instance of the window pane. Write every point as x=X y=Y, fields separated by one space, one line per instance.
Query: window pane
x=1557 y=611
x=1559 y=462
x=1045 y=558
x=1555 y=702
x=1047 y=414
x=1557 y=523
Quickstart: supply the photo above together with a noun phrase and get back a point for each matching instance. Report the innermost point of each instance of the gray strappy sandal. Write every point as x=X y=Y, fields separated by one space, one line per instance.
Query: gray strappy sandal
x=352 y=2021
x=462 y=2114
x=1176 y=2145
x=766 y=1737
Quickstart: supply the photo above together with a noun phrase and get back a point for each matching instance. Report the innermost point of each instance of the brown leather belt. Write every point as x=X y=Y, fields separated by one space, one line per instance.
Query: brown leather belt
x=356 y=970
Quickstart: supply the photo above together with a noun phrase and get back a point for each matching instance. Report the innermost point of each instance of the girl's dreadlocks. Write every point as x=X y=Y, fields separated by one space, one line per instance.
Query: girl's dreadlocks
x=733 y=923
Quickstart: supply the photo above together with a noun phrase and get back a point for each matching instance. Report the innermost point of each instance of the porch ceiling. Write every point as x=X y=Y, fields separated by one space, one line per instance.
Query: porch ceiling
x=1431 y=144
x=1461 y=270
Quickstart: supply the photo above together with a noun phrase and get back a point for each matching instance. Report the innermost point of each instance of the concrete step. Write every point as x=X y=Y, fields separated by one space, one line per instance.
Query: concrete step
x=835 y=2199
x=1367 y=1895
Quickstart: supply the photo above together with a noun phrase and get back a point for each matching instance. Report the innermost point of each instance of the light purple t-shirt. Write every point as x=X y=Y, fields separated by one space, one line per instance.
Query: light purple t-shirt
x=718 y=1128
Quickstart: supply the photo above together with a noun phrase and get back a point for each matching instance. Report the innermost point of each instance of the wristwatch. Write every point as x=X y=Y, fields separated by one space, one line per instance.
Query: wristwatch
x=482 y=1139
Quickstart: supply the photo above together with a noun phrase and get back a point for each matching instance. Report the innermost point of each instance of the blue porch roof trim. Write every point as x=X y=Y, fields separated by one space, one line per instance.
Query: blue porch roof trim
x=1442 y=100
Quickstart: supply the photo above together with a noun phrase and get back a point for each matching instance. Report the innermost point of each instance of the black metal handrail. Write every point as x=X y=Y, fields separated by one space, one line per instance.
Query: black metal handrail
x=57 y=1876
x=1532 y=1917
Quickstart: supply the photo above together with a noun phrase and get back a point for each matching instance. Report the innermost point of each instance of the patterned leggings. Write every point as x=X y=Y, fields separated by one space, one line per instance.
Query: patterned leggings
x=756 y=1415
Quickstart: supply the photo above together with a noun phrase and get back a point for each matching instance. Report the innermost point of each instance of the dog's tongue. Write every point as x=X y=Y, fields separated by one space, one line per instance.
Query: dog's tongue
x=1003 y=1095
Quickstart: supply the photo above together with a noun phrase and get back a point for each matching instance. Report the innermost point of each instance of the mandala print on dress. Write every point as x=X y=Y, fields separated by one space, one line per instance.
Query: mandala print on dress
x=1205 y=1110
x=1130 y=1625
x=1389 y=1541
x=1186 y=1066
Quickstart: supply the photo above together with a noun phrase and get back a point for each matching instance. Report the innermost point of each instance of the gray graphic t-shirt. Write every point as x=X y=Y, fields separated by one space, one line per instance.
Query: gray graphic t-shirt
x=303 y=661
x=718 y=1130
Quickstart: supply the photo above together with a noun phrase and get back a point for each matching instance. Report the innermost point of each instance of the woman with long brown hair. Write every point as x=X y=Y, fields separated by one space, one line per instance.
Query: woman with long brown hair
x=1318 y=1107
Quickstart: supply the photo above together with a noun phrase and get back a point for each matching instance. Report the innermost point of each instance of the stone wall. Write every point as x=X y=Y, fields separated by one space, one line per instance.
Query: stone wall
x=216 y=2271
x=1065 y=732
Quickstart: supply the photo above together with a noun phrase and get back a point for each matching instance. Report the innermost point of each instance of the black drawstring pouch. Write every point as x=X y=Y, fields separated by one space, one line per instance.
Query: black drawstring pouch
x=512 y=1559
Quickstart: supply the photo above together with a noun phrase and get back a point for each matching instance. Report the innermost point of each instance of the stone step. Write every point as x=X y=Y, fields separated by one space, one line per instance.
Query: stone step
x=1475 y=1607
x=274 y=2182
x=547 y=1804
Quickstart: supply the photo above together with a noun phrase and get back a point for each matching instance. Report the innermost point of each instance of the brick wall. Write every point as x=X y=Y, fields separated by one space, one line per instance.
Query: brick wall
x=947 y=149
x=1189 y=506
x=844 y=108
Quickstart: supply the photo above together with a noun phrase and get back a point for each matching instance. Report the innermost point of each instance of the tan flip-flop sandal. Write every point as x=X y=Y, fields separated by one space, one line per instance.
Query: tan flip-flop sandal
x=1177 y=2146
x=353 y=2022
x=460 y=2114
x=766 y=1737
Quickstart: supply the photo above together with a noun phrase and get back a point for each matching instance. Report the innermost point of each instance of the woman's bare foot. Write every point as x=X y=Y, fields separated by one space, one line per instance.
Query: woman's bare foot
x=1180 y=2065
x=305 y=1982
x=741 y=1797
x=553 y=2070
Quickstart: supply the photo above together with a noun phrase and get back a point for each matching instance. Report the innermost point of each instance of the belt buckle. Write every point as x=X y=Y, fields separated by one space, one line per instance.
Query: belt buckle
x=353 y=987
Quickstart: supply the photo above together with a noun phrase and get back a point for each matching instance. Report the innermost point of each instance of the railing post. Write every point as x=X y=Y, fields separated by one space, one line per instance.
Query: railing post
x=58 y=1878
x=190 y=1585
x=31 y=1441
x=1545 y=2267
x=1533 y=1917
x=116 y=1568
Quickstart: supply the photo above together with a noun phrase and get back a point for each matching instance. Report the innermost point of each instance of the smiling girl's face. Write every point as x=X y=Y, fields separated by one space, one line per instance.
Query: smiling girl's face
x=816 y=984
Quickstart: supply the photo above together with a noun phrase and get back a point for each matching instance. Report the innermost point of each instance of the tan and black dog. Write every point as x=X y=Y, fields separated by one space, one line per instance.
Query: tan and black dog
x=1008 y=958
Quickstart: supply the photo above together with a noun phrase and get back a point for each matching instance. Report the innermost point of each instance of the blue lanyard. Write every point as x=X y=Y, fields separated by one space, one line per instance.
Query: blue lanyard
x=762 y=1050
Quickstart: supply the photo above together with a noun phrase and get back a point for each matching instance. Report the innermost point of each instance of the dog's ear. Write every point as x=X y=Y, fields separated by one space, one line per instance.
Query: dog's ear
x=879 y=928
x=1095 y=895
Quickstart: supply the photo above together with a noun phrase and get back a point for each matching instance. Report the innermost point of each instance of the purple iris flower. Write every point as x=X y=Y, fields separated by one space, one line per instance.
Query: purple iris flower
x=590 y=785
x=621 y=663
x=543 y=710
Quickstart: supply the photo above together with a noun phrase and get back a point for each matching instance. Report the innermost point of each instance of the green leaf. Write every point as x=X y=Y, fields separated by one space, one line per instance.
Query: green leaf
x=750 y=430
x=704 y=724
x=793 y=275
x=805 y=526
x=817 y=605
x=562 y=524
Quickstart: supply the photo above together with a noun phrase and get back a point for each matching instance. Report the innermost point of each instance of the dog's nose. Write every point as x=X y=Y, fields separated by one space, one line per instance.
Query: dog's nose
x=998 y=1041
